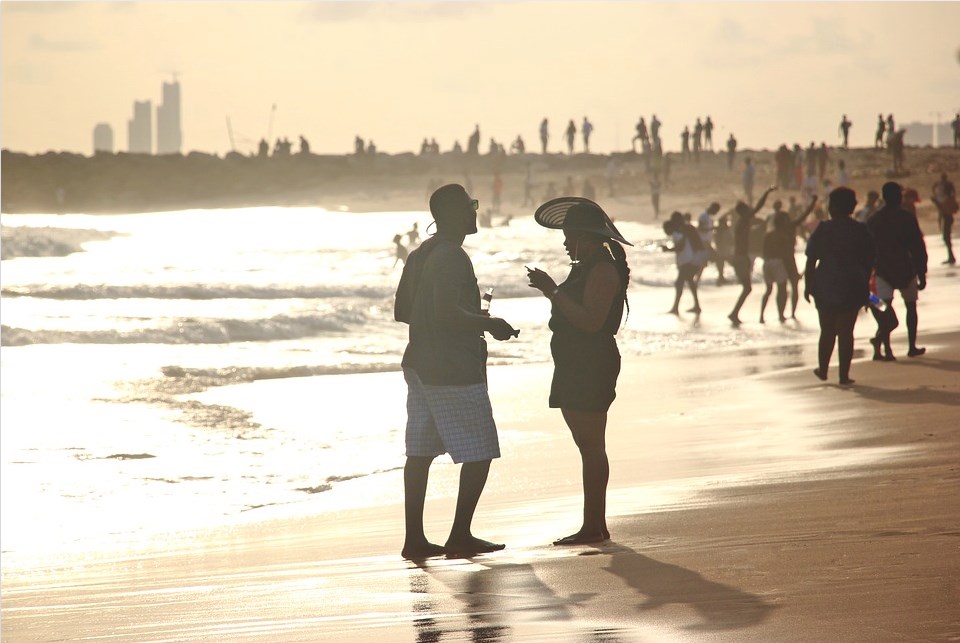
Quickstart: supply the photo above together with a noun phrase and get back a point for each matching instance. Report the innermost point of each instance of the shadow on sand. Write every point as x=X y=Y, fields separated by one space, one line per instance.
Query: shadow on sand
x=499 y=602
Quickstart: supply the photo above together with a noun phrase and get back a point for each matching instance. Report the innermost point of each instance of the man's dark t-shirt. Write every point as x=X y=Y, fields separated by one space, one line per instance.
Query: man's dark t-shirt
x=901 y=251
x=440 y=355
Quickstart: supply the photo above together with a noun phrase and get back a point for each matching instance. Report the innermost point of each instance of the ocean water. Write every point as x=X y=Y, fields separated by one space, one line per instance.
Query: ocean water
x=129 y=369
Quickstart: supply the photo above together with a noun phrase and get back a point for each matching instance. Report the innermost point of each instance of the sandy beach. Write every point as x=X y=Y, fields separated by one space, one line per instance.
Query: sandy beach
x=748 y=502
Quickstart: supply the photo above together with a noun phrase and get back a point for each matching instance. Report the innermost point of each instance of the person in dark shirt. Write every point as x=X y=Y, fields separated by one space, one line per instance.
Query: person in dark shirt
x=742 y=262
x=901 y=264
x=444 y=365
x=777 y=251
x=840 y=254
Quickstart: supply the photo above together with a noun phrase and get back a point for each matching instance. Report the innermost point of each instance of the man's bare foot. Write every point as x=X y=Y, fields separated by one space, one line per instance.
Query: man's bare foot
x=847 y=382
x=820 y=375
x=916 y=352
x=470 y=546
x=734 y=319
x=421 y=550
x=581 y=538
x=673 y=311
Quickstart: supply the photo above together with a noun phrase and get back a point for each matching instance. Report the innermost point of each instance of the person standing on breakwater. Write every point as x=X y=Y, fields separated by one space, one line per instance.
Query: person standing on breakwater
x=444 y=365
x=586 y=312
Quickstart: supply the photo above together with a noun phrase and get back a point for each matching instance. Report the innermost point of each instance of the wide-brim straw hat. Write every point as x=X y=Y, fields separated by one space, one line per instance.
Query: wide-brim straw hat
x=577 y=213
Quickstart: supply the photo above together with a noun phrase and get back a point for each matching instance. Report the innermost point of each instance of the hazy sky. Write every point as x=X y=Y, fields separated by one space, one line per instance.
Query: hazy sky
x=397 y=72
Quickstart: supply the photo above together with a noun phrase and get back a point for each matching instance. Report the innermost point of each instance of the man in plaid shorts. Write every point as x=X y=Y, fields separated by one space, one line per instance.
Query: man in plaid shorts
x=444 y=365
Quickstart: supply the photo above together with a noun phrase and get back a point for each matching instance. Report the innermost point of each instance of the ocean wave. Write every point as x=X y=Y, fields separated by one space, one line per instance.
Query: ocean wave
x=198 y=331
x=196 y=291
x=179 y=380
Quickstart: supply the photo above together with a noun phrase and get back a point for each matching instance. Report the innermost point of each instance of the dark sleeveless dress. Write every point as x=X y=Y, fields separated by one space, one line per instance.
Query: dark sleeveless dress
x=586 y=365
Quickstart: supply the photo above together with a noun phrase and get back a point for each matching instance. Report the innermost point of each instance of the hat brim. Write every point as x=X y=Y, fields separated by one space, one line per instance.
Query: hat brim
x=553 y=215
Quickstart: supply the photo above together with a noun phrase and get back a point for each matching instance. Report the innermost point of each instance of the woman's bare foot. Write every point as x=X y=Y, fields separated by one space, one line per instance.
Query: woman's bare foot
x=421 y=550
x=470 y=546
x=581 y=538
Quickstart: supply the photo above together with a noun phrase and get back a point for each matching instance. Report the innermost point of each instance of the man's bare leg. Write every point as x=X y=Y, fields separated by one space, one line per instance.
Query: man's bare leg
x=415 y=474
x=473 y=477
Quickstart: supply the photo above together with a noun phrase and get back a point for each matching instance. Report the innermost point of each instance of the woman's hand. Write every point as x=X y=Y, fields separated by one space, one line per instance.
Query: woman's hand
x=541 y=280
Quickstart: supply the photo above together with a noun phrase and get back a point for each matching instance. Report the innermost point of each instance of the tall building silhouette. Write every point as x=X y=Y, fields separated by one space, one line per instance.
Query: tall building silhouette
x=169 y=136
x=102 y=138
x=140 y=129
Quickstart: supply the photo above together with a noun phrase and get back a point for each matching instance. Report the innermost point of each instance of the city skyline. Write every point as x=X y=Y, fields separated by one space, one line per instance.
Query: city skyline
x=398 y=73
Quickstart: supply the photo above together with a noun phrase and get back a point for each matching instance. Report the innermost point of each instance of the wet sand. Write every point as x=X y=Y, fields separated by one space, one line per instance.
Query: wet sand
x=748 y=502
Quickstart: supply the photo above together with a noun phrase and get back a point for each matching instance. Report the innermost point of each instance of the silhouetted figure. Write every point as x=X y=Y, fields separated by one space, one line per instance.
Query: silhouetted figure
x=881 y=128
x=444 y=365
x=371 y=148
x=457 y=148
x=777 y=250
x=424 y=147
x=708 y=134
x=723 y=238
x=843 y=179
x=837 y=275
x=434 y=146
x=901 y=264
x=586 y=129
x=586 y=311
x=401 y=251
x=655 y=130
x=688 y=248
x=891 y=128
x=517 y=147
x=358 y=146
x=697 y=140
x=811 y=159
x=473 y=143
x=494 y=147
x=528 y=188
x=749 y=172
x=797 y=166
x=263 y=149
x=589 y=192
x=871 y=206
x=742 y=261
x=783 y=159
x=705 y=228
x=956 y=131
x=571 y=133
x=794 y=224
x=944 y=196
x=641 y=134
x=685 y=144
x=823 y=156
x=845 y=125
x=655 y=196
x=413 y=235
x=896 y=147
x=544 y=135
x=731 y=151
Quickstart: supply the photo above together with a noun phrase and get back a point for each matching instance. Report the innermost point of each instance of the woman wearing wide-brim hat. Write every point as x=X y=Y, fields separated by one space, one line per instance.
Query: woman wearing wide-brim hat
x=587 y=309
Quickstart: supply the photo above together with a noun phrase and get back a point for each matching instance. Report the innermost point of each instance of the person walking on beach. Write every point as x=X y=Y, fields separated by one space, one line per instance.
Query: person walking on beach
x=544 y=135
x=689 y=251
x=641 y=134
x=708 y=134
x=881 y=128
x=956 y=132
x=444 y=365
x=901 y=264
x=777 y=249
x=864 y=213
x=413 y=235
x=845 y=125
x=840 y=254
x=400 y=250
x=742 y=262
x=945 y=198
x=586 y=312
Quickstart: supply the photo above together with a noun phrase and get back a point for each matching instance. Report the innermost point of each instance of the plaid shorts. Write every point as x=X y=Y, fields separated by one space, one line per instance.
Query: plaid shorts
x=449 y=419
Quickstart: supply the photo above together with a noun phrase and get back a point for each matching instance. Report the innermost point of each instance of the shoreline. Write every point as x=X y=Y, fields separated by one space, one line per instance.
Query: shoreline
x=768 y=558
